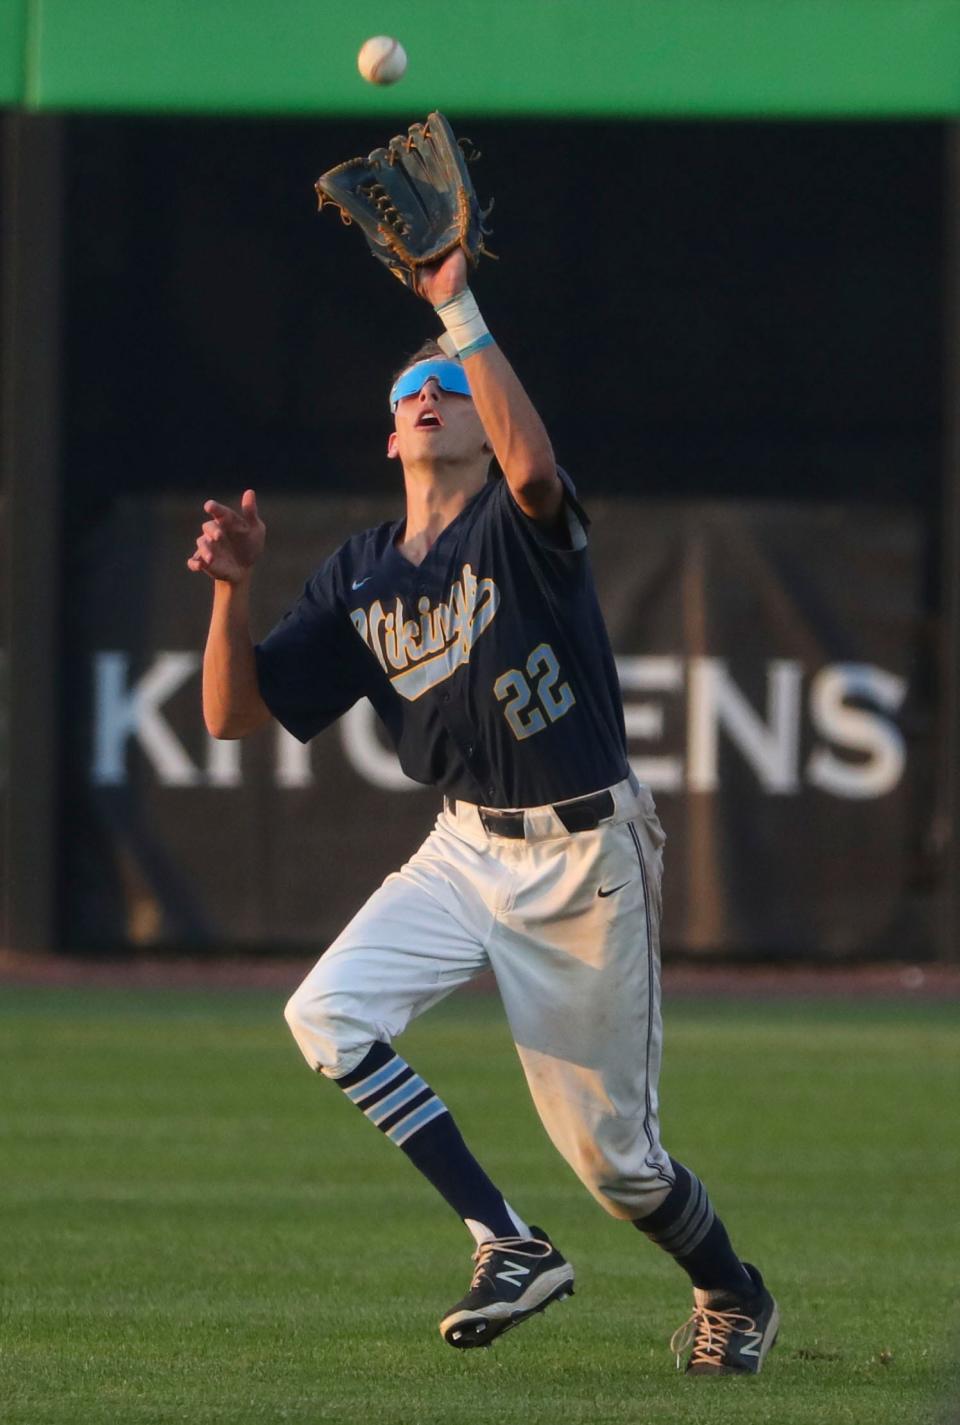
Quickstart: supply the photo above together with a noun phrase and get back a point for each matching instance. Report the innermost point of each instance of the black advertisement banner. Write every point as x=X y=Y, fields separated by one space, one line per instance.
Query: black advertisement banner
x=776 y=696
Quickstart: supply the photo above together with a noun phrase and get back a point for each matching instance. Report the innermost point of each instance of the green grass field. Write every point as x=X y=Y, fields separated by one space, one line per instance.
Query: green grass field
x=194 y=1228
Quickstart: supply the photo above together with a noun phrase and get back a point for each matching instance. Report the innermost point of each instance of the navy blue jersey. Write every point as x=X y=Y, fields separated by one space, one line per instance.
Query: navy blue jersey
x=489 y=663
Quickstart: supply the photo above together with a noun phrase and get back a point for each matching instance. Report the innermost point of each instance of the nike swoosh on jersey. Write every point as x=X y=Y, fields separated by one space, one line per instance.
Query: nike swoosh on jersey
x=613 y=889
x=359 y=583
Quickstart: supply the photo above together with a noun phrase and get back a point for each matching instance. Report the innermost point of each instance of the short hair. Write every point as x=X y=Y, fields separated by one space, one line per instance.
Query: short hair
x=430 y=350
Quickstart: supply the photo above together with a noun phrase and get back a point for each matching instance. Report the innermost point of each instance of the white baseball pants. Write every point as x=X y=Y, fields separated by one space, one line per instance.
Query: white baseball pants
x=569 y=924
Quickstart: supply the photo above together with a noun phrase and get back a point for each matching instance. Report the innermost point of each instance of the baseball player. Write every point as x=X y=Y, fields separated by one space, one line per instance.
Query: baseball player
x=472 y=625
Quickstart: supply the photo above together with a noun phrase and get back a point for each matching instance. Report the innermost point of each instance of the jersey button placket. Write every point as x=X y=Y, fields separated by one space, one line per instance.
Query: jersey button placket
x=451 y=710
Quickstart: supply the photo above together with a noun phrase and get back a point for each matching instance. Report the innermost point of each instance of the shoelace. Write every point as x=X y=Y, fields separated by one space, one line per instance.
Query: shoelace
x=708 y=1332
x=498 y=1244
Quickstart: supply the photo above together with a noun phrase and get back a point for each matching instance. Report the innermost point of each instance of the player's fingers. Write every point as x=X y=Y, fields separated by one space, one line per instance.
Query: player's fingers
x=223 y=515
x=248 y=505
x=212 y=530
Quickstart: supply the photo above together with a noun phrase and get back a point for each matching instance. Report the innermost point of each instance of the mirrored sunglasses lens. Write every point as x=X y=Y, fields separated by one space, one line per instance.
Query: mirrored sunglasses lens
x=450 y=377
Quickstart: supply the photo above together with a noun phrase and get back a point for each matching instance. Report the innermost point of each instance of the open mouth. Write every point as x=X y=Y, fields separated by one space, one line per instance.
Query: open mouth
x=428 y=420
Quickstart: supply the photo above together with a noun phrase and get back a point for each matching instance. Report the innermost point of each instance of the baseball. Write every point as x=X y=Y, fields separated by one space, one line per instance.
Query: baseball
x=382 y=60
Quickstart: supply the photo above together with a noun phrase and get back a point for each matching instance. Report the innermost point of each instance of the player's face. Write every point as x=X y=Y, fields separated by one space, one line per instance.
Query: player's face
x=434 y=425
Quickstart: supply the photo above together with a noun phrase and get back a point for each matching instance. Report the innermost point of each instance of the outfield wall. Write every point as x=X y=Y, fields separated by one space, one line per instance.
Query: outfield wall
x=772 y=328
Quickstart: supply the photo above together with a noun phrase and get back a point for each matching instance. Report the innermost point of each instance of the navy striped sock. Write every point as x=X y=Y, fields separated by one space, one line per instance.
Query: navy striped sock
x=406 y=1109
x=686 y=1226
x=391 y=1095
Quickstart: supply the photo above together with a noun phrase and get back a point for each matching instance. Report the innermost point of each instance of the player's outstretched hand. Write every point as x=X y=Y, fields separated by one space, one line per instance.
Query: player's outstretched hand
x=443 y=280
x=231 y=543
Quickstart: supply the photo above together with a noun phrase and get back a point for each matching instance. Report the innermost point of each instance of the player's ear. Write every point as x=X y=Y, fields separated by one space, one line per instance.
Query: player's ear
x=392 y=451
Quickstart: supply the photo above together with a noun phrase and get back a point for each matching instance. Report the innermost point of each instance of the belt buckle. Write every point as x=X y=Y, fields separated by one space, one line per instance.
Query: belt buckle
x=502 y=823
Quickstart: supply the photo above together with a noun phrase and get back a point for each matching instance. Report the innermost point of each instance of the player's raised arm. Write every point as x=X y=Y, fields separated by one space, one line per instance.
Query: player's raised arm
x=514 y=429
x=415 y=204
x=227 y=549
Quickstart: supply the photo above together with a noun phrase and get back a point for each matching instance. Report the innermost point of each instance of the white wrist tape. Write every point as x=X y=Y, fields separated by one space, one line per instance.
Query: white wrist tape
x=464 y=324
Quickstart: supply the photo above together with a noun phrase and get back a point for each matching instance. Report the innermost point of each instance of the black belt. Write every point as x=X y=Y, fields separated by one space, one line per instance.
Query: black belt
x=578 y=814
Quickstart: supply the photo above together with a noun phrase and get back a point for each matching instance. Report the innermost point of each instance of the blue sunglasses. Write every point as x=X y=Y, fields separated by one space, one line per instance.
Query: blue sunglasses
x=449 y=375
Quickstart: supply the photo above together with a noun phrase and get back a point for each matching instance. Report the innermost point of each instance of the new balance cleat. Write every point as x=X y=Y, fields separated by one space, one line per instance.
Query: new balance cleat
x=515 y=1277
x=728 y=1334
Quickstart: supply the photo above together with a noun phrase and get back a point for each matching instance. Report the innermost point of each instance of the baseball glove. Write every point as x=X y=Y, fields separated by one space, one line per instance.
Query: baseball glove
x=413 y=200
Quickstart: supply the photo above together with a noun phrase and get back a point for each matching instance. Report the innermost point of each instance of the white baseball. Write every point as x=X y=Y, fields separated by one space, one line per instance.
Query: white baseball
x=382 y=60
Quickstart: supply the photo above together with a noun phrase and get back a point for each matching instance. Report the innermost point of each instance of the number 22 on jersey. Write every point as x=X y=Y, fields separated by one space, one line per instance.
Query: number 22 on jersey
x=549 y=701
